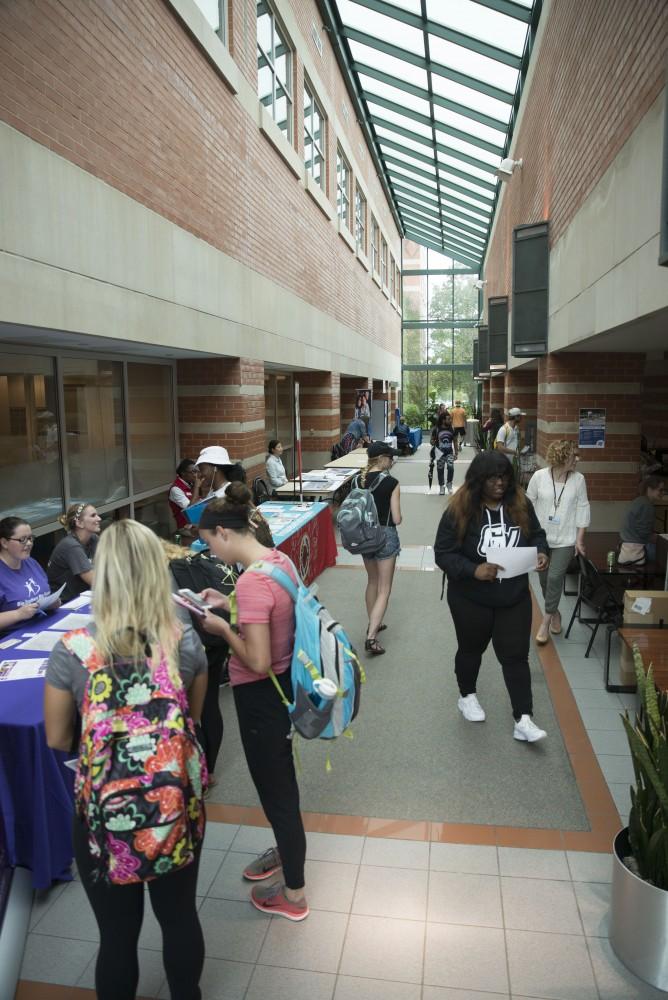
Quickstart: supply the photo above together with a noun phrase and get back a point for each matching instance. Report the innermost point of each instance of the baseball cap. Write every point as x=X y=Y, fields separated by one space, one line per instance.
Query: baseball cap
x=378 y=448
x=515 y=411
x=215 y=454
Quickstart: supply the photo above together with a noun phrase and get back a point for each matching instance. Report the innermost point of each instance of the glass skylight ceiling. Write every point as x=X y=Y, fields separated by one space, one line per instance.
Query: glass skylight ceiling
x=439 y=84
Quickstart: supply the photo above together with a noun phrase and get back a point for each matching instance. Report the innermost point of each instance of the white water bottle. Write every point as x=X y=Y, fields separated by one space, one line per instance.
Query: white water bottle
x=325 y=689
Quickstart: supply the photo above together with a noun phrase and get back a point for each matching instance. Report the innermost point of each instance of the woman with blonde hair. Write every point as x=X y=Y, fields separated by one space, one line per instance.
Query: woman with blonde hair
x=380 y=565
x=559 y=495
x=139 y=679
x=71 y=561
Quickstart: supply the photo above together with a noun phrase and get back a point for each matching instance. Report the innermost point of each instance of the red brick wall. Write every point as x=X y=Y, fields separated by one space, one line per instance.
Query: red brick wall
x=123 y=91
x=497 y=387
x=654 y=412
x=521 y=389
x=600 y=66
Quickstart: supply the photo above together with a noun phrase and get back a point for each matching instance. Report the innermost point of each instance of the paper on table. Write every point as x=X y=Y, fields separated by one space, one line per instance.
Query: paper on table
x=22 y=670
x=79 y=602
x=72 y=621
x=8 y=643
x=44 y=641
x=643 y=605
x=45 y=601
x=515 y=562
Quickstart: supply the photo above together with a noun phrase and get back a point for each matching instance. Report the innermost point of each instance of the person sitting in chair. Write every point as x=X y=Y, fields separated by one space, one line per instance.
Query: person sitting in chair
x=403 y=436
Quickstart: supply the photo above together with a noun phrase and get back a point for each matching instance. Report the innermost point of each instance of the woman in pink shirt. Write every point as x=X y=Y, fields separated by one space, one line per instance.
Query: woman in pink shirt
x=264 y=639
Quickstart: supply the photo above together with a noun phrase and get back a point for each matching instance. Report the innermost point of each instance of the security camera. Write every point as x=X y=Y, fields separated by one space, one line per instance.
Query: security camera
x=505 y=169
x=480 y=283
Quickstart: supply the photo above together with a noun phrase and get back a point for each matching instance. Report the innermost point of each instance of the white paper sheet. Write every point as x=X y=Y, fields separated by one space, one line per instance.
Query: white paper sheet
x=70 y=622
x=8 y=643
x=643 y=605
x=515 y=562
x=79 y=602
x=46 y=601
x=43 y=641
x=22 y=670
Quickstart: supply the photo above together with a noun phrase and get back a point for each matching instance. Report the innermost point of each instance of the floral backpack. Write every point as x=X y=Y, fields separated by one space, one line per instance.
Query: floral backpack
x=141 y=772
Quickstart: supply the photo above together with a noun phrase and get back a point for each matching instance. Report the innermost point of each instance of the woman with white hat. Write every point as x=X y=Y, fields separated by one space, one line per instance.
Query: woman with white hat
x=216 y=467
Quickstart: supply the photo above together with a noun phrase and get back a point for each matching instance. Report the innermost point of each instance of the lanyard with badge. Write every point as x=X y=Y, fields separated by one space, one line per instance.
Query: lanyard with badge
x=554 y=518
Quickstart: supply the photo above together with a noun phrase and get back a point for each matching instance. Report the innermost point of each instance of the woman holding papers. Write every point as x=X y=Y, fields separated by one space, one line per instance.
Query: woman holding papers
x=486 y=525
x=559 y=494
x=23 y=582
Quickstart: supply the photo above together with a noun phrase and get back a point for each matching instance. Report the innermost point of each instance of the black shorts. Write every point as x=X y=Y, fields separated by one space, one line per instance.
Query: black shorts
x=461 y=431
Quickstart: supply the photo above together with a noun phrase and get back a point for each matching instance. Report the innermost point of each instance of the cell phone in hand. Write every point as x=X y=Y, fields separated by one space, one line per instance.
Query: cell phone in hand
x=195 y=609
x=194 y=598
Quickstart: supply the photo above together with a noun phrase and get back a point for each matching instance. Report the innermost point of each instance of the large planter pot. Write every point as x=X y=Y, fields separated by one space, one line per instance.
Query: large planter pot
x=638 y=920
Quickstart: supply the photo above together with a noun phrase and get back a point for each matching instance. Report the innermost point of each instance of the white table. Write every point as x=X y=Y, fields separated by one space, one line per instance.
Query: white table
x=320 y=483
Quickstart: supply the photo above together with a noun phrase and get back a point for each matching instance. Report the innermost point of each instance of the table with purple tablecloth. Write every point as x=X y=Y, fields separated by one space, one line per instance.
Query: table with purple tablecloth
x=36 y=789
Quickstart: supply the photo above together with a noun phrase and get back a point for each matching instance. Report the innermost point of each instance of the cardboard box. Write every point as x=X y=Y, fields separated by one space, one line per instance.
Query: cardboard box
x=658 y=610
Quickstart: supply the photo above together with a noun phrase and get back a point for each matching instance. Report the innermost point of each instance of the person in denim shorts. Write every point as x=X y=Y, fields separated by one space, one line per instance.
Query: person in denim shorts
x=380 y=565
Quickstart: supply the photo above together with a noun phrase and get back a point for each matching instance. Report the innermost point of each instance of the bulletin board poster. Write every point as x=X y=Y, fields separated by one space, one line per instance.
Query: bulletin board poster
x=363 y=405
x=591 y=433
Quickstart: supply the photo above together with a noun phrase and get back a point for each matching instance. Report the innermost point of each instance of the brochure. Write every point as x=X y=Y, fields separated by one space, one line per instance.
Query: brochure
x=46 y=601
x=22 y=670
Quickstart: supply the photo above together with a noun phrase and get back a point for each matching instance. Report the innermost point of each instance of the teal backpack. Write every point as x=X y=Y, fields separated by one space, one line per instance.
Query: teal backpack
x=322 y=650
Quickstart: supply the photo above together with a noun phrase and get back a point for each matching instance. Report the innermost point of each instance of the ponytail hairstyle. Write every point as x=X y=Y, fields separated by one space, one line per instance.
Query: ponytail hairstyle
x=72 y=514
x=371 y=466
x=231 y=511
x=132 y=597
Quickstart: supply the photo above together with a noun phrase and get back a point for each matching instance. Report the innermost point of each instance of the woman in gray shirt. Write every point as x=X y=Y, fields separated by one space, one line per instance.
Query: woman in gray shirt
x=71 y=561
x=638 y=524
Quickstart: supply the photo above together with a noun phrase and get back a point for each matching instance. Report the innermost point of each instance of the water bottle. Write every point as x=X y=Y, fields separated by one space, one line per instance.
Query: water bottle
x=612 y=555
x=324 y=690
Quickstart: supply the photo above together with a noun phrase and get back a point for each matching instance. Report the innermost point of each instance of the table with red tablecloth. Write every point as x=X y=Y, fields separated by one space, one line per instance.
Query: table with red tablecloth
x=305 y=533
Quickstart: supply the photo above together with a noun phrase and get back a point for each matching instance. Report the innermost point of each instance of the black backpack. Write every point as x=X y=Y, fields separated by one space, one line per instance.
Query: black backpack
x=198 y=572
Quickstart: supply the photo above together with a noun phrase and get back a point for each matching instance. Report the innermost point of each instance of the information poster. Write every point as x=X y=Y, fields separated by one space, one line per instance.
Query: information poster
x=363 y=405
x=591 y=429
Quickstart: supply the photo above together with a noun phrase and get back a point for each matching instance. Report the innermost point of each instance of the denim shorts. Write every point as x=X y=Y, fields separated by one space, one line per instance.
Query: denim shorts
x=391 y=546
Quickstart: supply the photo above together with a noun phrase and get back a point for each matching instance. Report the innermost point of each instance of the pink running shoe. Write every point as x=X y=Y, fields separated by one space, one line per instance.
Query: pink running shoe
x=263 y=866
x=272 y=899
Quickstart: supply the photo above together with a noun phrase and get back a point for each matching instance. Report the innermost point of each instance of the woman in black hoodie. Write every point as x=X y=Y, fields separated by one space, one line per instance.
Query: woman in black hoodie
x=488 y=514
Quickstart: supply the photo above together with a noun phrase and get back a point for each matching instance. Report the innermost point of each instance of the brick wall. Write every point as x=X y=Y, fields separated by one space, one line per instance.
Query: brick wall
x=654 y=407
x=496 y=392
x=600 y=67
x=123 y=91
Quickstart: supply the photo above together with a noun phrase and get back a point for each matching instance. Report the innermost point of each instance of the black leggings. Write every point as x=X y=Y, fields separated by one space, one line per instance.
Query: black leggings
x=510 y=632
x=264 y=725
x=210 y=729
x=119 y=911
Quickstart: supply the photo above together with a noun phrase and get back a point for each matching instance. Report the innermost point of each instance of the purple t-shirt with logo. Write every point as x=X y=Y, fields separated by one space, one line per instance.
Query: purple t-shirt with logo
x=21 y=586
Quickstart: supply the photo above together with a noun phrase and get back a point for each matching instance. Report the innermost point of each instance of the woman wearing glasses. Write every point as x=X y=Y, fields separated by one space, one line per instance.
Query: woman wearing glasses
x=71 y=561
x=22 y=579
x=559 y=494
x=488 y=515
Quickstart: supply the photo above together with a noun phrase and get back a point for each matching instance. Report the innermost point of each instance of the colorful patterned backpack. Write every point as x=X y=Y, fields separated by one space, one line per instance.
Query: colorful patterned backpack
x=141 y=773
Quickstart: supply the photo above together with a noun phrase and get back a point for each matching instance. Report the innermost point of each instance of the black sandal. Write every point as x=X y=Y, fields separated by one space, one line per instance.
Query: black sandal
x=373 y=647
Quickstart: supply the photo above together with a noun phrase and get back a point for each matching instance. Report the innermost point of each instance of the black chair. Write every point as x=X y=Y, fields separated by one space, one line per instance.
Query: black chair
x=597 y=594
x=261 y=491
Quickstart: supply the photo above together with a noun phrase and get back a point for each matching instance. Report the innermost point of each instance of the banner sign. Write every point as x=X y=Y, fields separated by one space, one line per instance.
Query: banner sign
x=591 y=433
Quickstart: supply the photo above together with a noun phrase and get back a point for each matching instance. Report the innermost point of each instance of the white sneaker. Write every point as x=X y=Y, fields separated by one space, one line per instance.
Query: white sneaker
x=471 y=708
x=526 y=729
x=442 y=491
x=449 y=489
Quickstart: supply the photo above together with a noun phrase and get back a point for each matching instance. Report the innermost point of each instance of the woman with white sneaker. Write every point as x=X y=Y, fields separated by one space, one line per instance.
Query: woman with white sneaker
x=488 y=515
x=559 y=494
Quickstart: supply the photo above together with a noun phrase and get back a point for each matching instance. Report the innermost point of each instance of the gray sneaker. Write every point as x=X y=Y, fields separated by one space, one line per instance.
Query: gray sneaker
x=264 y=866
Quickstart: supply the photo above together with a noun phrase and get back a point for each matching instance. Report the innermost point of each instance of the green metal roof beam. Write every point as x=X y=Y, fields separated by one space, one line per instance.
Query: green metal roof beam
x=410 y=271
x=424 y=141
x=416 y=220
x=456 y=133
x=476 y=234
x=442 y=31
x=353 y=35
x=415 y=91
x=423 y=158
x=444 y=249
x=507 y=7
x=440 y=324
x=472 y=249
x=485 y=206
x=470 y=214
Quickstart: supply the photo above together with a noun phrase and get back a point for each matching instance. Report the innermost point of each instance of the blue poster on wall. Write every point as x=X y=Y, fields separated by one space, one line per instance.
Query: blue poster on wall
x=591 y=433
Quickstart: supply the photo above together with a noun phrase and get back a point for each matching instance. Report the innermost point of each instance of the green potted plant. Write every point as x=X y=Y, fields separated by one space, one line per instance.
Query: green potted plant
x=639 y=909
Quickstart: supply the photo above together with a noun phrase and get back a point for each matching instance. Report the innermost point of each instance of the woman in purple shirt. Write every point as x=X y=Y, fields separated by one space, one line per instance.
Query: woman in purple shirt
x=22 y=579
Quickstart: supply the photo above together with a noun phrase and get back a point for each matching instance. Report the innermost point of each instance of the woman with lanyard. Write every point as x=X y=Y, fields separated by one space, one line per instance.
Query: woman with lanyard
x=488 y=515
x=559 y=495
x=71 y=561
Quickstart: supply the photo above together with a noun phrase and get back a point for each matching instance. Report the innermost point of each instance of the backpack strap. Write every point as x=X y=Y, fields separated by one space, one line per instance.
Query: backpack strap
x=279 y=575
x=81 y=644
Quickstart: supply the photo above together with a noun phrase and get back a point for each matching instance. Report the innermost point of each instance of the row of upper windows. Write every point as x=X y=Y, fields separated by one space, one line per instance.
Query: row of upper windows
x=275 y=92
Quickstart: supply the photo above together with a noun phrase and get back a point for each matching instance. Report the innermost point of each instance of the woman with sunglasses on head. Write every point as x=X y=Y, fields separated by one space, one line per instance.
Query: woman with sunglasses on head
x=559 y=495
x=488 y=515
x=22 y=579
x=71 y=561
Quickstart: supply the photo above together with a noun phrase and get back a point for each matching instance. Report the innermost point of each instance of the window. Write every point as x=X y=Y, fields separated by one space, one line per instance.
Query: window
x=30 y=484
x=94 y=418
x=343 y=188
x=150 y=425
x=393 y=279
x=360 y=220
x=215 y=11
x=375 y=246
x=314 y=137
x=274 y=69
x=383 y=262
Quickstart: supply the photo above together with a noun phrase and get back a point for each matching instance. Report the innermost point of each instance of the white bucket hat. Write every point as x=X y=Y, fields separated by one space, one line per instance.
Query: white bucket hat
x=215 y=454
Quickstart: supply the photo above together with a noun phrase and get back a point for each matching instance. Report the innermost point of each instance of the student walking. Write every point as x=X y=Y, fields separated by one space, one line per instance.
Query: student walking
x=458 y=414
x=265 y=639
x=380 y=565
x=508 y=438
x=444 y=443
x=487 y=515
x=138 y=679
x=559 y=496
